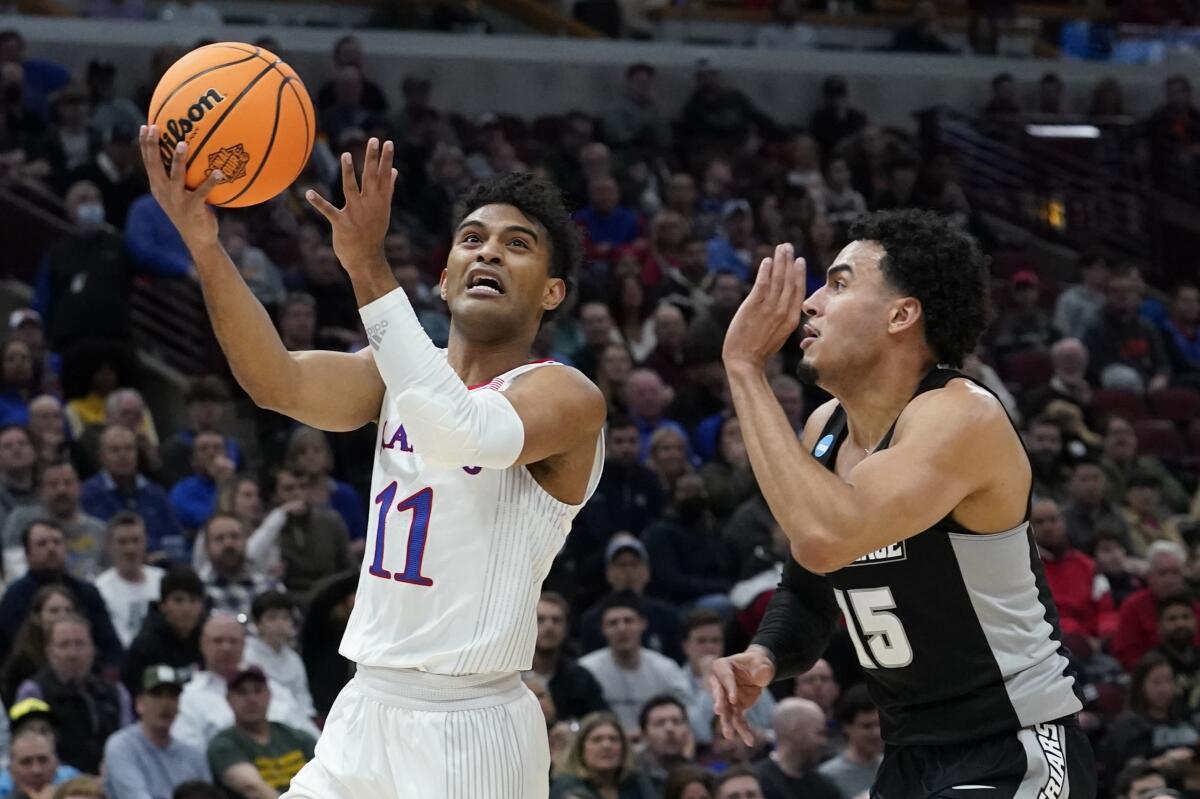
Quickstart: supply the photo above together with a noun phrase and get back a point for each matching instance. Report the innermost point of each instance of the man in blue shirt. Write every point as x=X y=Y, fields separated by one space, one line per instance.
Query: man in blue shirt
x=194 y=498
x=142 y=761
x=730 y=250
x=607 y=223
x=119 y=487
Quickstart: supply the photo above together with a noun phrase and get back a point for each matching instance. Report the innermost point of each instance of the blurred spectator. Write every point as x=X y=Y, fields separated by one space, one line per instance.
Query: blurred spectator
x=599 y=764
x=71 y=142
x=627 y=570
x=19 y=381
x=129 y=586
x=1082 y=596
x=203 y=709
x=1173 y=130
x=1080 y=305
x=231 y=582
x=1044 y=443
x=853 y=769
x=257 y=757
x=635 y=123
x=669 y=457
x=308 y=541
x=241 y=497
x=666 y=740
x=707 y=329
x=719 y=119
x=194 y=789
x=630 y=492
x=126 y=407
x=171 y=633
x=154 y=242
x=25 y=324
x=628 y=673
x=1024 y=326
x=576 y=130
x=647 y=397
x=1177 y=632
x=606 y=223
x=84 y=279
x=842 y=202
x=1050 y=95
x=119 y=486
x=631 y=309
x=574 y=690
x=337 y=313
x=739 y=782
x=325 y=622
x=692 y=561
x=84 y=709
x=45 y=552
x=348 y=52
x=1138 y=781
x=1126 y=351
x=48 y=429
x=207 y=400
x=1088 y=510
x=347 y=110
x=1137 y=625
x=310 y=457
x=262 y=276
x=599 y=330
x=835 y=120
x=803 y=159
x=274 y=615
x=1107 y=100
x=40 y=77
x=668 y=357
x=194 y=498
x=703 y=633
x=114 y=114
x=18 y=486
x=1004 y=96
x=1121 y=462
x=921 y=35
x=1152 y=727
x=689 y=782
x=458 y=16
x=1112 y=564
x=116 y=9
x=791 y=770
x=27 y=655
x=819 y=686
x=193 y=13
x=143 y=761
x=785 y=31
x=34 y=766
x=1181 y=331
x=1068 y=382
x=58 y=492
x=728 y=480
x=1144 y=514
x=730 y=250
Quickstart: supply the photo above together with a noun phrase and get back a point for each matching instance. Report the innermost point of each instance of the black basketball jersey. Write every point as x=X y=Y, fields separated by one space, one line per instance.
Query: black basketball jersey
x=957 y=632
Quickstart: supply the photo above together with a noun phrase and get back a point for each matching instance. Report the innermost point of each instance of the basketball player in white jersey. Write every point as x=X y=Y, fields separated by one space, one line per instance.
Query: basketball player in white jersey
x=482 y=460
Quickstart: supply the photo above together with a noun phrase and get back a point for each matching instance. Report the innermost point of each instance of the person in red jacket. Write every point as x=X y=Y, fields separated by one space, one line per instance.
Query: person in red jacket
x=1082 y=596
x=1137 y=623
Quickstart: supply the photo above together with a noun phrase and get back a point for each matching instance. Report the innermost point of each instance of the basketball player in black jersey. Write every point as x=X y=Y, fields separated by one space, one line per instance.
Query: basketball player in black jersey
x=907 y=506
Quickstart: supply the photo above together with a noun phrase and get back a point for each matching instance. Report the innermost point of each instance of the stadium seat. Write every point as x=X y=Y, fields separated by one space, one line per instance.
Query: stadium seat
x=1028 y=369
x=1160 y=438
x=1112 y=698
x=1175 y=404
x=1120 y=403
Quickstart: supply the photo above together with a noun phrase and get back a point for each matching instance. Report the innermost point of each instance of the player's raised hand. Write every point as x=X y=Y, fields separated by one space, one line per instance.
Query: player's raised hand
x=771 y=312
x=186 y=208
x=736 y=683
x=361 y=226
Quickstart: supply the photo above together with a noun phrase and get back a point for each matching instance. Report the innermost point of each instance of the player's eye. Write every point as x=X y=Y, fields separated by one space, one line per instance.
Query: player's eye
x=471 y=238
x=519 y=243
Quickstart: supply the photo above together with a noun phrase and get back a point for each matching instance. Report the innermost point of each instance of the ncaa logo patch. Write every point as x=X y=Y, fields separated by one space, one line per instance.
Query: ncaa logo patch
x=823 y=445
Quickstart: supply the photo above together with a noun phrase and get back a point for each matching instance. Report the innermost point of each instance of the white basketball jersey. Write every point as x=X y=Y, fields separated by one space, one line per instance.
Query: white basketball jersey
x=455 y=558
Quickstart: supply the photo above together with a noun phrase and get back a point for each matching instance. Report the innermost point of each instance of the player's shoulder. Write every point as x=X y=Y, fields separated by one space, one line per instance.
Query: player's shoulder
x=816 y=422
x=961 y=408
x=564 y=385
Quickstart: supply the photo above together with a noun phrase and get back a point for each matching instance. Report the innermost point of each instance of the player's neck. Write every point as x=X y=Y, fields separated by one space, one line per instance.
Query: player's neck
x=874 y=400
x=478 y=363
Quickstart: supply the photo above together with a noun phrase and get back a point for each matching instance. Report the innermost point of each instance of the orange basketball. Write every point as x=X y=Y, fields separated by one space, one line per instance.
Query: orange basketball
x=241 y=110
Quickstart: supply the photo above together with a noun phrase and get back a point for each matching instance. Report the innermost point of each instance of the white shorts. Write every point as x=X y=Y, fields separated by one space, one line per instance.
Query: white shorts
x=407 y=735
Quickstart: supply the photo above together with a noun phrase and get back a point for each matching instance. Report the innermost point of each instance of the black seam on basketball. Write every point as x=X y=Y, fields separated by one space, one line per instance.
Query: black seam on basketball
x=200 y=74
x=270 y=145
x=200 y=147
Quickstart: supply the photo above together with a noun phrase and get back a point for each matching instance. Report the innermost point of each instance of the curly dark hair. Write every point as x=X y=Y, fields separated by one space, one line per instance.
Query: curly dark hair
x=927 y=257
x=542 y=201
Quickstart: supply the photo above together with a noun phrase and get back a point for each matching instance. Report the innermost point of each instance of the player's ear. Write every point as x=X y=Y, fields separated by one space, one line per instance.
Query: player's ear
x=905 y=313
x=442 y=284
x=553 y=294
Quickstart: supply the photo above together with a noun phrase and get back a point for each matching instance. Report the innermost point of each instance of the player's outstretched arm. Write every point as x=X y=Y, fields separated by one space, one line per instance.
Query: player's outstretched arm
x=295 y=384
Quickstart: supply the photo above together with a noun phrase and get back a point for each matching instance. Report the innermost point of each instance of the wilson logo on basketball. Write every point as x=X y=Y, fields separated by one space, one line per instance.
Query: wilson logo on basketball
x=231 y=161
x=177 y=130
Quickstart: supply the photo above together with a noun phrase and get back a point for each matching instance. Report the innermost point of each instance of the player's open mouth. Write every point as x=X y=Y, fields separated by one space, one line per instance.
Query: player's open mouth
x=810 y=335
x=484 y=284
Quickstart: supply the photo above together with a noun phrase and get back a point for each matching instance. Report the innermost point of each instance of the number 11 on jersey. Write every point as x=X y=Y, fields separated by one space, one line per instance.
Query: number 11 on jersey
x=421 y=504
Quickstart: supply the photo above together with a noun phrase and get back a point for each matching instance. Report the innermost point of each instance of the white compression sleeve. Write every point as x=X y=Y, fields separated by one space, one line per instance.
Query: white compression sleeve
x=447 y=424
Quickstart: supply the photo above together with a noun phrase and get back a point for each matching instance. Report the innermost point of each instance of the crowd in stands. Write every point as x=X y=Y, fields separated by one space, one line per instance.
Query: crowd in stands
x=175 y=588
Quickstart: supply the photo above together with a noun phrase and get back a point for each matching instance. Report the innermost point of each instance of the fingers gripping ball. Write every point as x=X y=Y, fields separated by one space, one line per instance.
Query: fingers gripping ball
x=241 y=110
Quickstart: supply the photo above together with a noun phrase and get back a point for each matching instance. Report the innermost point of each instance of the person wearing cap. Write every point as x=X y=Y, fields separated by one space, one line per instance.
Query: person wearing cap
x=573 y=689
x=628 y=673
x=730 y=250
x=627 y=569
x=257 y=758
x=1023 y=326
x=143 y=761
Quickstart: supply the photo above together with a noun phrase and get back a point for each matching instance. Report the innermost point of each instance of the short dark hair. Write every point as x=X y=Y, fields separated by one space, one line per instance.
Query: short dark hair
x=732 y=774
x=540 y=200
x=181 y=579
x=927 y=257
x=221 y=515
x=655 y=702
x=856 y=700
x=268 y=601
x=123 y=518
x=56 y=463
x=197 y=789
x=640 y=67
x=1133 y=772
x=1103 y=534
x=621 y=599
x=1174 y=600
x=209 y=388
x=39 y=522
x=621 y=423
x=700 y=617
x=558 y=600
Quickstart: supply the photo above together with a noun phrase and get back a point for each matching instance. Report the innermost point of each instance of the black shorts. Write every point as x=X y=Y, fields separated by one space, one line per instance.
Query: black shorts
x=1049 y=761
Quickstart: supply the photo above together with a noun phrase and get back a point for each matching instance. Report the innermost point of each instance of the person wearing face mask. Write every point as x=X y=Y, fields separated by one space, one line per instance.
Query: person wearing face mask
x=84 y=281
x=690 y=557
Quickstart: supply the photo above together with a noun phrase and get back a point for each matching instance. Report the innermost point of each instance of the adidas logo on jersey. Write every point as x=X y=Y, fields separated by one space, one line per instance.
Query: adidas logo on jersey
x=883 y=555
